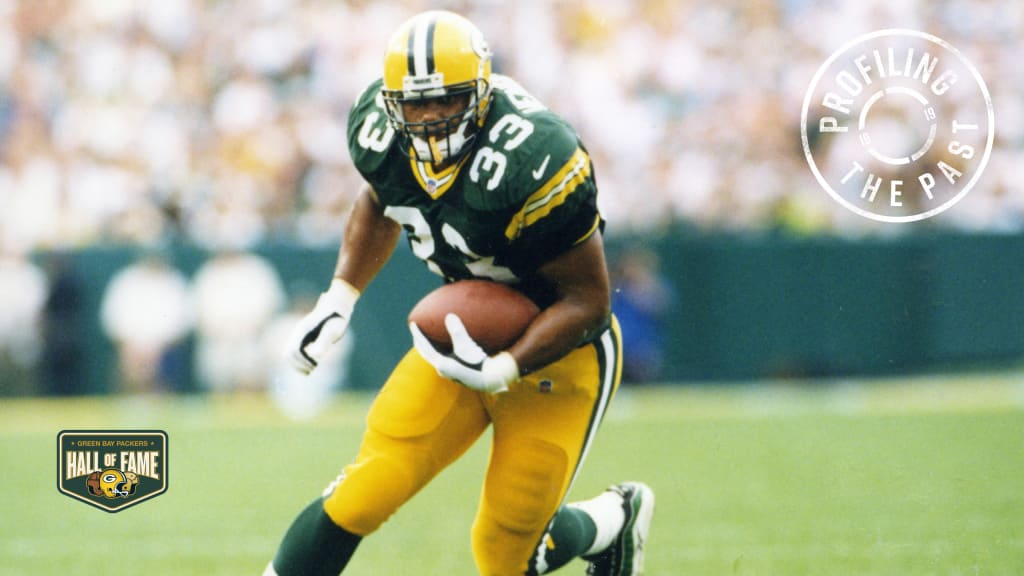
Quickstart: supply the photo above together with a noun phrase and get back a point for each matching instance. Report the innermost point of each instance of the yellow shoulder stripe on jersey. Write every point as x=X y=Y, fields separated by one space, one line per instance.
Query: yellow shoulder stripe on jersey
x=552 y=194
x=435 y=183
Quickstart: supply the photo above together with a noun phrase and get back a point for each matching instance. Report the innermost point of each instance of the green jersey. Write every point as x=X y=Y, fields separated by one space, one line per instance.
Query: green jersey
x=523 y=194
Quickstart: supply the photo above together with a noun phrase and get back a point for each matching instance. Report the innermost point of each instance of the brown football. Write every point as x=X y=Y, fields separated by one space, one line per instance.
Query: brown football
x=494 y=314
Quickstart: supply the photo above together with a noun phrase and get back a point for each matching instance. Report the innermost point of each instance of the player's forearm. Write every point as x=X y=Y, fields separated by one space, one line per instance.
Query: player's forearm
x=369 y=240
x=582 y=307
x=558 y=330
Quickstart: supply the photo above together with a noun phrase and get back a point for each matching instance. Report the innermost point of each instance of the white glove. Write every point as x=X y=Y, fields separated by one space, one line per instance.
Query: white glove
x=468 y=364
x=322 y=327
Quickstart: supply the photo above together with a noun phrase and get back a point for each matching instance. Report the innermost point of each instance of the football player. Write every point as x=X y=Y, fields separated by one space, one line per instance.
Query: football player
x=486 y=183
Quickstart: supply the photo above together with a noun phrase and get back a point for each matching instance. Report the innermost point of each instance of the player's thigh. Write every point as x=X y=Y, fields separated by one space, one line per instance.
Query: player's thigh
x=542 y=430
x=418 y=424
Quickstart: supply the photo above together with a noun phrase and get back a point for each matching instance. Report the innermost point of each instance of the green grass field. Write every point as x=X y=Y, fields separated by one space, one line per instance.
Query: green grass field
x=922 y=476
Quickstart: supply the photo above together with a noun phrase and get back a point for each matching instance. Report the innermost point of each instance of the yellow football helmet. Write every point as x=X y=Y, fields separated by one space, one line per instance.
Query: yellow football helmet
x=437 y=55
x=117 y=484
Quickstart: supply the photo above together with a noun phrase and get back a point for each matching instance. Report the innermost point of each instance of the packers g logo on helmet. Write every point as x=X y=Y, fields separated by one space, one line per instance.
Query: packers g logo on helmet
x=112 y=483
x=440 y=55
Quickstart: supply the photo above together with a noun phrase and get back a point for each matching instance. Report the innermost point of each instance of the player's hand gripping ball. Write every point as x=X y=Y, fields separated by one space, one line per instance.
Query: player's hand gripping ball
x=495 y=315
x=472 y=352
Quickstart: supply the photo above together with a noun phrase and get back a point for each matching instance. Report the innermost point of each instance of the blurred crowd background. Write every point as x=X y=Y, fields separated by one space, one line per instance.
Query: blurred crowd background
x=221 y=124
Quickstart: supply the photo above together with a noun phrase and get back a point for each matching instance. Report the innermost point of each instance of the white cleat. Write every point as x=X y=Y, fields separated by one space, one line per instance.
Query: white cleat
x=625 y=555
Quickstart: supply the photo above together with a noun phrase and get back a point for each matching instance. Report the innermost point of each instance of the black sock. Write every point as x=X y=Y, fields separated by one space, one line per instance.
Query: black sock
x=314 y=545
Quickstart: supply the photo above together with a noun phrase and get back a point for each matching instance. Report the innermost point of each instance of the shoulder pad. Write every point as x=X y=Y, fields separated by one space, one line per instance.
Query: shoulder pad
x=370 y=134
x=535 y=145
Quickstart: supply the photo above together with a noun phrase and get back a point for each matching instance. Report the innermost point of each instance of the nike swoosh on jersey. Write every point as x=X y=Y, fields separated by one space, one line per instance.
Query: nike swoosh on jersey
x=540 y=169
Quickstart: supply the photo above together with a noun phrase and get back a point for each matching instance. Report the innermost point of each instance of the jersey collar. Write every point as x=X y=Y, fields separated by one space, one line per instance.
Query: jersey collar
x=436 y=183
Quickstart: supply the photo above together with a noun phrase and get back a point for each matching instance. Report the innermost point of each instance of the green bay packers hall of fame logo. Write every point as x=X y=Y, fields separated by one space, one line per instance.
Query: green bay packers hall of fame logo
x=112 y=469
x=897 y=125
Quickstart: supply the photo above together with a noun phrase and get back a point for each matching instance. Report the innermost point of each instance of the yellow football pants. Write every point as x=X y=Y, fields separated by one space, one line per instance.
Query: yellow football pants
x=543 y=426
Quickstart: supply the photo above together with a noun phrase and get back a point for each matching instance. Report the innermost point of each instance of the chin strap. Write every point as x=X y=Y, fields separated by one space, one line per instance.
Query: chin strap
x=435 y=150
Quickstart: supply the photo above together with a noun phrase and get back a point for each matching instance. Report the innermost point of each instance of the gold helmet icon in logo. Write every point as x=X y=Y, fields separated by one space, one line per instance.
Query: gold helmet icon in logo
x=112 y=483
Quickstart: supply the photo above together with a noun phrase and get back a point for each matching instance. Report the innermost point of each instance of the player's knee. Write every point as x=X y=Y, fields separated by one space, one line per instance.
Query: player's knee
x=368 y=494
x=523 y=491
